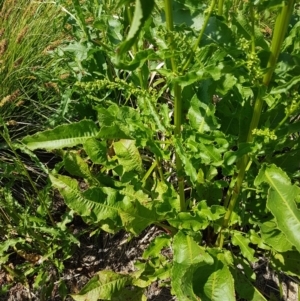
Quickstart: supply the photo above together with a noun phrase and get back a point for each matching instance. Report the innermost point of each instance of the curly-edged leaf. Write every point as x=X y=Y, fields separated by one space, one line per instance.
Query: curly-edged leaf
x=214 y=282
x=96 y=150
x=202 y=116
x=213 y=213
x=287 y=86
x=104 y=285
x=213 y=71
x=281 y=201
x=209 y=154
x=188 y=221
x=188 y=166
x=243 y=242
x=66 y=135
x=273 y=237
x=157 y=245
x=121 y=122
x=188 y=256
x=76 y=166
x=106 y=206
x=128 y=155
x=245 y=288
x=288 y=262
x=142 y=12
x=136 y=217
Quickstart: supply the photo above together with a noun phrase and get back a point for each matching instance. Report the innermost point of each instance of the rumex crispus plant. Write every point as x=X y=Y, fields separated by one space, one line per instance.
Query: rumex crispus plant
x=191 y=124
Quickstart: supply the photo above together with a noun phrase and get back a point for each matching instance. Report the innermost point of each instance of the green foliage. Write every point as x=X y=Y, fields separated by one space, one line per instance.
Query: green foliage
x=188 y=120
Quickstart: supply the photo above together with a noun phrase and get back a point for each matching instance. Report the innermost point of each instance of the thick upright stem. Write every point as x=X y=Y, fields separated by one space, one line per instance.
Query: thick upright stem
x=177 y=102
x=220 y=7
x=281 y=26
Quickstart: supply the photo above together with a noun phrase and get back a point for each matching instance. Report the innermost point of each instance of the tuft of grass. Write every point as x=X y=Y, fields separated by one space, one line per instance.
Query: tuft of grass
x=25 y=101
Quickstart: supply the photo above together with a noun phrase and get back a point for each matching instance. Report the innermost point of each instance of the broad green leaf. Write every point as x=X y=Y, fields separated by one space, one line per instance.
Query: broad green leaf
x=155 y=268
x=96 y=150
x=243 y=242
x=130 y=294
x=214 y=71
x=66 y=135
x=213 y=213
x=273 y=237
x=104 y=285
x=231 y=157
x=256 y=239
x=136 y=217
x=166 y=199
x=201 y=116
x=182 y=277
x=156 y=246
x=138 y=210
x=214 y=282
x=188 y=256
x=245 y=288
x=288 y=262
x=188 y=221
x=121 y=122
x=210 y=154
x=106 y=206
x=95 y=203
x=281 y=201
x=142 y=12
x=128 y=155
x=188 y=166
x=76 y=166
x=244 y=29
x=188 y=13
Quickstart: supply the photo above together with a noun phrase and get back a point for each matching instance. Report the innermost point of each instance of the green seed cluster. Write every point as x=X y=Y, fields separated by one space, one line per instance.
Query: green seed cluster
x=118 y=84
x=267 y=133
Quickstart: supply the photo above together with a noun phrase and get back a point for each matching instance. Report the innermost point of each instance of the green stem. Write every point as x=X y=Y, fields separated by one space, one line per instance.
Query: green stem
x=196 y=45
x=252 y=27
x=159 y=168
x=281 y=25
x=220 y=7
x=177 y=103
x=148 y=173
